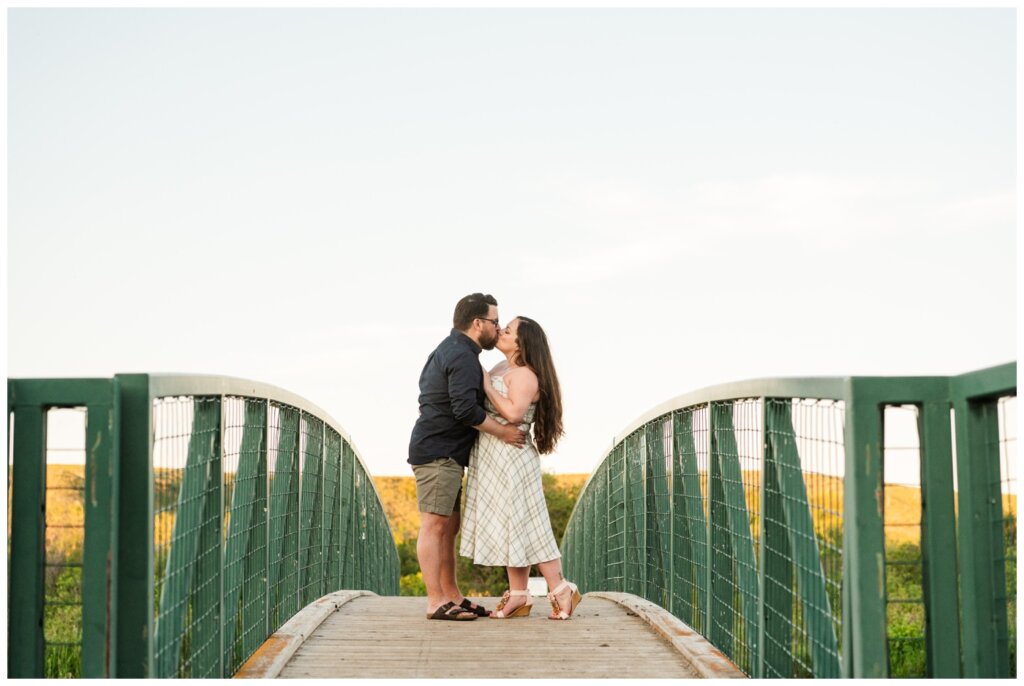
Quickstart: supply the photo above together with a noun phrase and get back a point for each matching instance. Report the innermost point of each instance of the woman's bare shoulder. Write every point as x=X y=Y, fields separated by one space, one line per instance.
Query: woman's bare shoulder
x=521 y=373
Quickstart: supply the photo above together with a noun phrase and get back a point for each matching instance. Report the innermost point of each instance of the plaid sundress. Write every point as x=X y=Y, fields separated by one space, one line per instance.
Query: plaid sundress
x=505 y=522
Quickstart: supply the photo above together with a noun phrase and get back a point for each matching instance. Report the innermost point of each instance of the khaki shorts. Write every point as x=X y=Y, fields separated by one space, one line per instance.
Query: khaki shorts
x=438 y=486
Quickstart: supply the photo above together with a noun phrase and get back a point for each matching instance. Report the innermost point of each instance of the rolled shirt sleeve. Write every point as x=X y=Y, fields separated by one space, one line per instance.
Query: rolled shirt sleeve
x=465 y=388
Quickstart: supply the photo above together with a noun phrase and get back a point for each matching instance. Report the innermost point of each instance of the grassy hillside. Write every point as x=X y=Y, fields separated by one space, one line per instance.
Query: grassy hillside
x=399 y=496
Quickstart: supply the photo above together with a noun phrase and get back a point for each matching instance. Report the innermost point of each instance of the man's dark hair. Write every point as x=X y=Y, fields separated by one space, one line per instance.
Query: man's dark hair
x=471 y=307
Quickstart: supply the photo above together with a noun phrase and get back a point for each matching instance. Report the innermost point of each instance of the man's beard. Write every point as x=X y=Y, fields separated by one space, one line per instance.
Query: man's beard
x=489 y=343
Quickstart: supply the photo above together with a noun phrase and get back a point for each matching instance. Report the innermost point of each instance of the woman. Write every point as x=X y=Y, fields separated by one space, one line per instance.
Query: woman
x=506 y=519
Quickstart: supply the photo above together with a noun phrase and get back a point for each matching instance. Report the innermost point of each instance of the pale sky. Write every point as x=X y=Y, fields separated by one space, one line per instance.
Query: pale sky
x=680 y=197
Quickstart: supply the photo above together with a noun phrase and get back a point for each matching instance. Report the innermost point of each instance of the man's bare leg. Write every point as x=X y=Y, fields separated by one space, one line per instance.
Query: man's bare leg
x=447 y=576
x=430 y=553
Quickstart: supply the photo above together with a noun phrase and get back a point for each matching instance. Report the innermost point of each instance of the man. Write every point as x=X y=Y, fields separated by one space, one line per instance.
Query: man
x=451 y=413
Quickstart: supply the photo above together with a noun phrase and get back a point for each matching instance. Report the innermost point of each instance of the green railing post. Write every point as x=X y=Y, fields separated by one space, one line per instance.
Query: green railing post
x=982 y=573
x=284 y=505
x=658 y=541
x=617 y=517
x=767 y=510
x=191 y=590
x=25 y=605
x=688 y=506
x=248 y=506
x=720 y=553
x=331 y=517
x=634 y=571
x=786 y=473
x=741 y=571
x=346 y=555
x=310 y=514
x=776 y=569
x=938 y=539
x=268 y=560
x=134 y=596
x=99 y=573
x=863 y=534
x=30 y=400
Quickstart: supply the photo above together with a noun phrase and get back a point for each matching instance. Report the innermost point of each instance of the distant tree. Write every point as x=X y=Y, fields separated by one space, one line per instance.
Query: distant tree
x=561 y=498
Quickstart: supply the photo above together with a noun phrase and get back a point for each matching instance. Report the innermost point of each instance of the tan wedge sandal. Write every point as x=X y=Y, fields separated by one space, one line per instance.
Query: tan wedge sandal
x=521 y=611
x=574 y=600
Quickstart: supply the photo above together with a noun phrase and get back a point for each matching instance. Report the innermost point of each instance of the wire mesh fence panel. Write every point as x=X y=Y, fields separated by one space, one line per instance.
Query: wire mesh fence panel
x=734 y=573
x=311 y=511
x=245 y=526
x=359 y=483
x=616 y=519
x=600 y=485
x=382 y=540
x=372 y=551
x=587 y=549
x=579 y=570
x=187 y=536
x=757 y=552
x=1006 y=550
x=658 y=470
x=571 y=547
x=689 y=528
x=332 y=511
x=348 y=509
x=570 y=566
x=283 y=459
x=364 y=526
x=635 y=514
x=246 y=509
x=64 y=541
x=803 y=537
x=385 y=546
x=748 y=432
x=904 y=578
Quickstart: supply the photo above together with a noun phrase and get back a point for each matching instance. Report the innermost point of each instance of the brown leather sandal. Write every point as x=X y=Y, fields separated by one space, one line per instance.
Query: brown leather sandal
x=451 y=612
x=479 y=610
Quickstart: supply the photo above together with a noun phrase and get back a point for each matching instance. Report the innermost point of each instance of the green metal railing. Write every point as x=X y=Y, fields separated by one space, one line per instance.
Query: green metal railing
x=794 y=525
x=986 y=434
x=202 y=514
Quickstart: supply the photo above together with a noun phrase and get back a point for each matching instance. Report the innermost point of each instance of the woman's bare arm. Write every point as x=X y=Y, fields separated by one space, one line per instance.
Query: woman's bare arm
x=522 y=389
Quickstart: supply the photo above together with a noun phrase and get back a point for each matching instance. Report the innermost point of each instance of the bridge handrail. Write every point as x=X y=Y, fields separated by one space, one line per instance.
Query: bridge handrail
x=831 y=387
x=170 y=385
x=322 y=525
x=651 y=494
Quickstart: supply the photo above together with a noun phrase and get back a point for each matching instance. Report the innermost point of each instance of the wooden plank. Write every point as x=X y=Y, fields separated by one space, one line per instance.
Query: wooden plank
x=390 y=637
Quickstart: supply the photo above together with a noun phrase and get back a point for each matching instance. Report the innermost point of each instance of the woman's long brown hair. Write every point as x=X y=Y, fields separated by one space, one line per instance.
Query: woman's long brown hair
x=534 y=353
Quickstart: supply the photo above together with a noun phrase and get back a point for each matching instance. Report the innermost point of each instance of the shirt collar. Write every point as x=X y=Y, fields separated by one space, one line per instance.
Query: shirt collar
x=467 y=341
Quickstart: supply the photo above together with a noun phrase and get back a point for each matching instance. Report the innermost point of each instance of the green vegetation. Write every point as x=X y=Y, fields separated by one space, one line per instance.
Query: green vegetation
x=63 y=613
x=399 y=497
x=62 y=624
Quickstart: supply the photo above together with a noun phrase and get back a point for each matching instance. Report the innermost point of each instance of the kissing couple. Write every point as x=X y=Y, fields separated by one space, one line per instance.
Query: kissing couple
x=481 y=420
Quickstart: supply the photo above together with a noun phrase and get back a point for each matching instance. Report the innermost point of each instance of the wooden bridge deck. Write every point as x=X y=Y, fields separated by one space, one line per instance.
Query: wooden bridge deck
x=354 y=634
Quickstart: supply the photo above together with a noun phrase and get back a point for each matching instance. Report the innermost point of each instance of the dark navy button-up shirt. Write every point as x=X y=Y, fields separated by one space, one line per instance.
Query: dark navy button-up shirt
x=451 y=402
